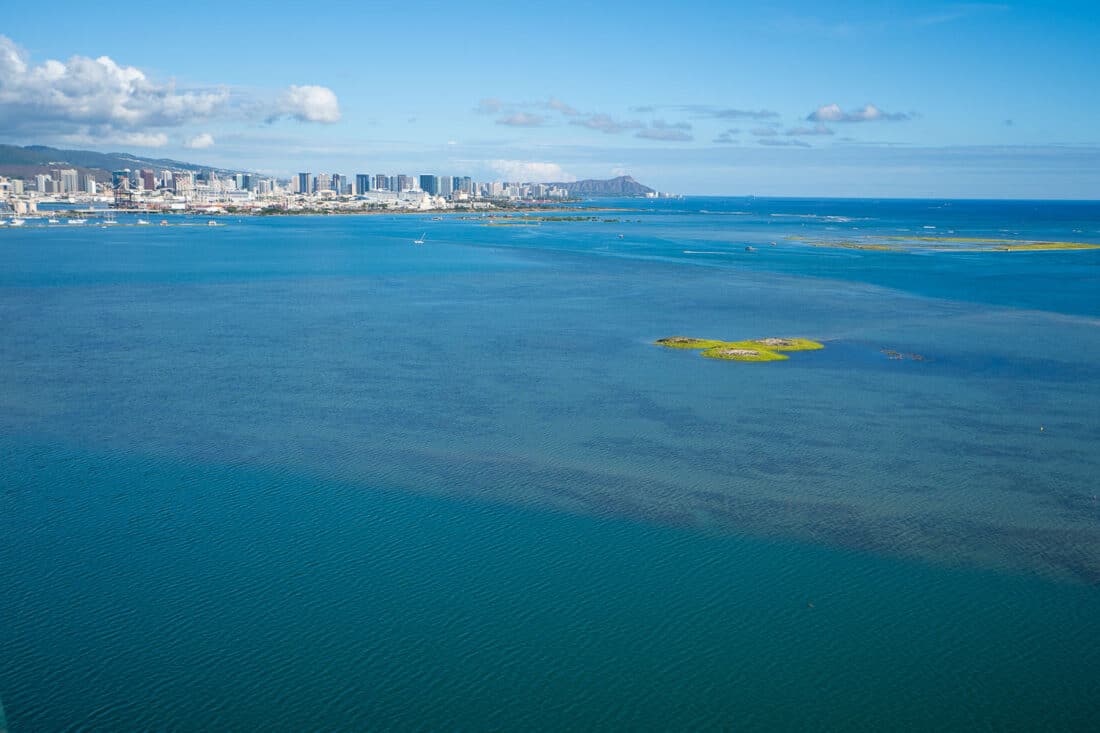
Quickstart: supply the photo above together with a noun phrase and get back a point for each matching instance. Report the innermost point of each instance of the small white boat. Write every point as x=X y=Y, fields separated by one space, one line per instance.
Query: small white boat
x=142 y=221
x=211 y=223
x=53 y=221
x=18 y=222
x=421 y=240
x=77 y=221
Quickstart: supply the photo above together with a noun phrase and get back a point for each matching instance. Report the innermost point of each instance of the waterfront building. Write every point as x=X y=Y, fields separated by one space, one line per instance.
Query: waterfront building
x=381 y=182
x=362 y=183
x=304 y=181
x=404 y=183
x=429 y=184
x=446 y=186
x=42 y=183
x=88 y=184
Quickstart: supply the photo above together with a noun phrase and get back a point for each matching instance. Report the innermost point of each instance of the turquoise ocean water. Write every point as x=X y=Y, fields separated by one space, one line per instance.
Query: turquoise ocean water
x=298 y=473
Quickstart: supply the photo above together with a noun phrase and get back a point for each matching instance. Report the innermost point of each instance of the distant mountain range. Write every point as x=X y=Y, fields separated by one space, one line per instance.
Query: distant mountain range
x=621 y=186
x=26 y=162
x=33 y=159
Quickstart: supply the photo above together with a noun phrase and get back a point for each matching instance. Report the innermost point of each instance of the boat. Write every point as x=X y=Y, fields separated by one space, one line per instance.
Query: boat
x=77 y=221
x=164 y=222
x=109 y=219
x=53 y=221
x=142 y=221
x=18 y=222
x=211 y=223
x=750 y=248
x=421 y=240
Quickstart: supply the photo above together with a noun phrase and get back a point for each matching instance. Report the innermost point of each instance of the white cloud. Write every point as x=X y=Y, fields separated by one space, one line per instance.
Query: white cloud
x=667 y=131
x=560 y=106
x=200 y=141
x=142 y=139
x=527 y=171
x=728 y=113
x=522 y=119
x=869 y=113
x=783 y=143
x=309 y=103
x=83 y=96
x=606 y=124
x=488 y=106
x=818 y=129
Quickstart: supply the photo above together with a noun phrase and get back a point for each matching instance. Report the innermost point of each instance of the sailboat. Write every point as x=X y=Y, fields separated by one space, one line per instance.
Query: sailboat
x=421 y=240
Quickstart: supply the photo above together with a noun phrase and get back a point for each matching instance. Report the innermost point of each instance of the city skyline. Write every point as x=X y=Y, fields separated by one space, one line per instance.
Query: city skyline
x=890 y=100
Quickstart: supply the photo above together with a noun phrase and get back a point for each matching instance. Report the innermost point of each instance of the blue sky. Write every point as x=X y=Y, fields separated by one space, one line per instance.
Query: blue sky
x=800 y=98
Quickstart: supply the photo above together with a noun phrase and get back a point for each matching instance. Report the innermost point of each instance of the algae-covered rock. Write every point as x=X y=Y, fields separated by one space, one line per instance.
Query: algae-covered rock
x=787 y=344
x=686 y=342
x=765 y=349
x=741 y=352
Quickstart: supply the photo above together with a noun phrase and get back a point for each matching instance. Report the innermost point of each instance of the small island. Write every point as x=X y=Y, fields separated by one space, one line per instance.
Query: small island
x=756 y=350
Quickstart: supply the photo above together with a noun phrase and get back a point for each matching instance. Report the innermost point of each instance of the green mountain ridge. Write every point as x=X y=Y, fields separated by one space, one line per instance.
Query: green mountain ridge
x=31 y=159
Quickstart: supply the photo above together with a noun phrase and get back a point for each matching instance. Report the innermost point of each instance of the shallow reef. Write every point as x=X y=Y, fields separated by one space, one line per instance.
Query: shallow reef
x=765 y=349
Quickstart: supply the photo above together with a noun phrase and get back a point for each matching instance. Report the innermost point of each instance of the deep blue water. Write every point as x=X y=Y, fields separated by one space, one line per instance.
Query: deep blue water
x=298 y=473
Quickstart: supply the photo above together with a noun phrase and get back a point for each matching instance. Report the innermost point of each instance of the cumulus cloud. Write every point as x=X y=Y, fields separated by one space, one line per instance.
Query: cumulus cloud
x=309 y=103
x=606 y=124
x=98 y=101
x=818 y=129
x=527 y=171
x=198 y=142
x=85 y=95
x=522 y=119
x=869 y=113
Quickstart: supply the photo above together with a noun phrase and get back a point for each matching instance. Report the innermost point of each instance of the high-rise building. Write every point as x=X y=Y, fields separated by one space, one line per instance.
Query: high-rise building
x=41 y=183
x=322 y=182
x=87 y=184
x=429 y=184
x=120 y=180
x=404 y=183
x=381 y=182
x=148 y=181
x=69 y=181
x=305 y=183
x=446 y=185
x=362 y=183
